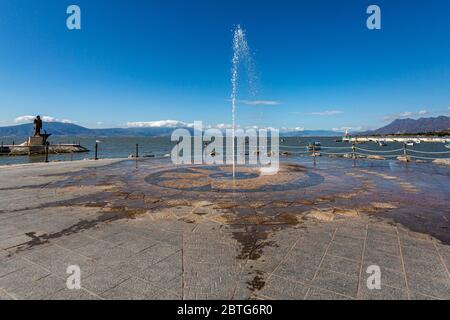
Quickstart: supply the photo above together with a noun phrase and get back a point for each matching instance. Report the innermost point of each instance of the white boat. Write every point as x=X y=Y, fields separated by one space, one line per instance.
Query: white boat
x=447 y=145
x=382 y=143
x=409 y=143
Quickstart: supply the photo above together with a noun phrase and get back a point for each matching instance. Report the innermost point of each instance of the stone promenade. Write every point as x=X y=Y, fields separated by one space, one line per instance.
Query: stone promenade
x=135 y=235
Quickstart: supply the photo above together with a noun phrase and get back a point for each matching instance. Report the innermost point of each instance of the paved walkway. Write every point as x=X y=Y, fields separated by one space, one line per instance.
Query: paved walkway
x=144 y=249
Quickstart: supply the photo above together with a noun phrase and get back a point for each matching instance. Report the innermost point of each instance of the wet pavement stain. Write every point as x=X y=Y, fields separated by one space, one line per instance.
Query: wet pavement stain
x=253 y=240
x=37 y=240
x=257 y=283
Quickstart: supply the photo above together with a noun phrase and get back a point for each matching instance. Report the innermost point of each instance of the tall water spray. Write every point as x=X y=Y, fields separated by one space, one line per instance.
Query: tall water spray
x=241 y=54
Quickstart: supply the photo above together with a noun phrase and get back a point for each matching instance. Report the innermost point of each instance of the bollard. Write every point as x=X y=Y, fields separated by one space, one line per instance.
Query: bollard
x=405 y=152
x=96 y=151
x=46 y=152
x=354 y=154
x=137 y=151
x=314 y=152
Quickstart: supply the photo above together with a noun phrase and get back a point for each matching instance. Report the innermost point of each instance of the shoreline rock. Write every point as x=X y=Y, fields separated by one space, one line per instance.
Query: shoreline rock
x=442 y=161
x=375 y=157
x=52 y=149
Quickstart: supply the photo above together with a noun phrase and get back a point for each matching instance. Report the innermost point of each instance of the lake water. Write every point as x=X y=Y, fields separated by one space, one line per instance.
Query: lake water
x=122 y=147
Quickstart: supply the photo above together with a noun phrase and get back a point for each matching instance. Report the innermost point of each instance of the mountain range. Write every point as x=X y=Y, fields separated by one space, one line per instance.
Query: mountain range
x=399 y=126
x=412 y=126
x=70 y=129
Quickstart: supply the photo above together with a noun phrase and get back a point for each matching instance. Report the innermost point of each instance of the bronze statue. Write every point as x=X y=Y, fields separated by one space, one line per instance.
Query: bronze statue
x=37 y=126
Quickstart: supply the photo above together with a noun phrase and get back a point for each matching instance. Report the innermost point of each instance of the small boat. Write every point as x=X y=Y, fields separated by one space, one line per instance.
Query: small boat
x=382 y=143
x=447 y=145
x=409 y=143
x=314 y=146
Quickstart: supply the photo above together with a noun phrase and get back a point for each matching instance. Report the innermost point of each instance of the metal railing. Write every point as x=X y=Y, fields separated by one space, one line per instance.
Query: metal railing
x=352 y=151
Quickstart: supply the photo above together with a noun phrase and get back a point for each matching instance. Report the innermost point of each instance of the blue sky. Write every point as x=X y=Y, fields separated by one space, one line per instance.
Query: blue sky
x=142 y=61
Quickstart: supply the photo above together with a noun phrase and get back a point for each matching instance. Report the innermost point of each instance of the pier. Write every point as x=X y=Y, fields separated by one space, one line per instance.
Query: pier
x=24 y=150
x=401 y=139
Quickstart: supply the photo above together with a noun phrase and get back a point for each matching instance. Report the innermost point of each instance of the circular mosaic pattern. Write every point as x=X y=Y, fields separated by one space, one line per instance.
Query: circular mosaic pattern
x=247 y=179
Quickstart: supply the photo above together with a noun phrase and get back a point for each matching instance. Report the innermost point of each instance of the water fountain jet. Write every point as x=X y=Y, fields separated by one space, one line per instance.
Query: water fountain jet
x=241 y=53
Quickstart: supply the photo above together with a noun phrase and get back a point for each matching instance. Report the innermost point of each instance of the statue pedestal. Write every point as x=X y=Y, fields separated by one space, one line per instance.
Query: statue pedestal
x=36 y=141
x=36 y=145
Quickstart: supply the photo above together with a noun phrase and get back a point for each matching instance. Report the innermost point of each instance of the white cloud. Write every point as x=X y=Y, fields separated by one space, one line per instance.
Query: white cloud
x=24 y=119
x=159 y=124
x=406 y=114
x=343 y=129
x=28 y=118
x=222 y=126
x=286 y=129
x=327 y=113
x=51 y=119
x=260 y=102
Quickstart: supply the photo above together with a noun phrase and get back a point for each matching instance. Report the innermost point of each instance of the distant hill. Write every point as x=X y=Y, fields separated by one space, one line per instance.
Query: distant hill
x=411 y=126
x=311 y=133
x=69 y=129
x=55 y=128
